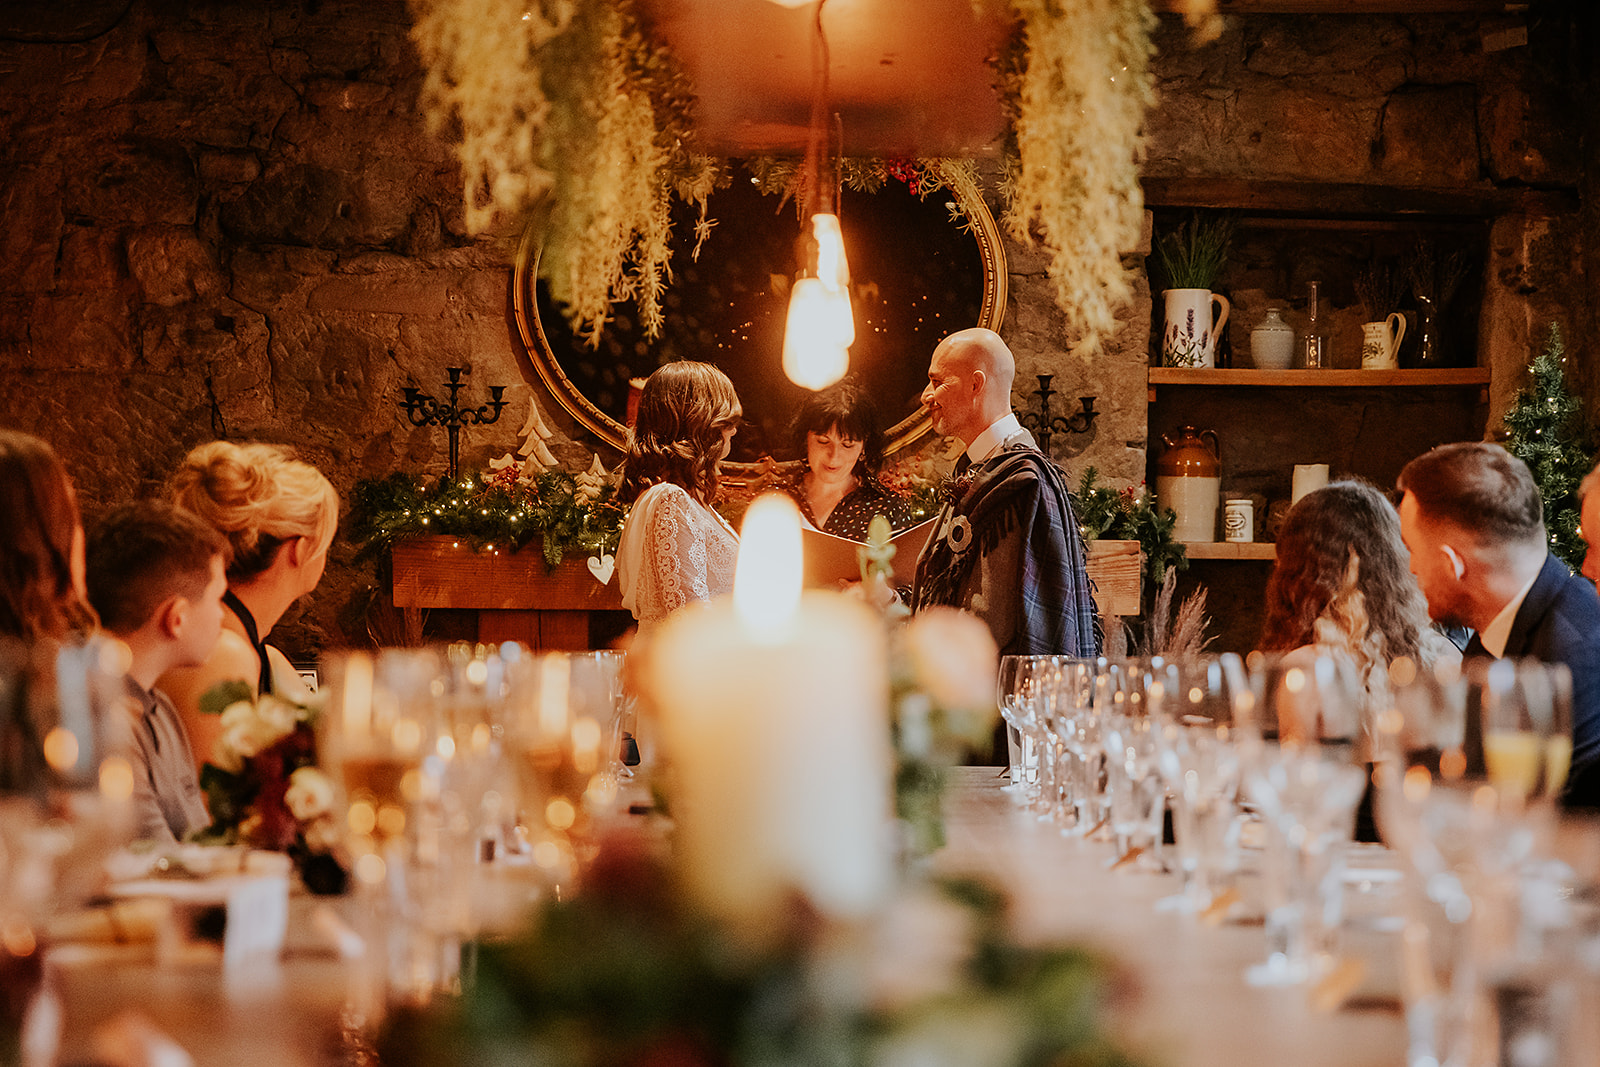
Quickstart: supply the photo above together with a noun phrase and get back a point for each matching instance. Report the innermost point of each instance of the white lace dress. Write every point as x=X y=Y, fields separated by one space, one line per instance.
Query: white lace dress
x=674 y=551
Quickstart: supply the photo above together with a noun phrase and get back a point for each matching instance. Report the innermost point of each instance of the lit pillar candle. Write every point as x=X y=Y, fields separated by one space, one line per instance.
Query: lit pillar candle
x=774 y=718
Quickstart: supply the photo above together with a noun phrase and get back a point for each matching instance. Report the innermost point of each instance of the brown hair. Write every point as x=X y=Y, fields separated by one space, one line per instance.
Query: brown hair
x=1315 y=569
x=850 y=409
x=677 y=436
x=141 y=554
x=258 y=497
x=1480 y=488
x=38 y=525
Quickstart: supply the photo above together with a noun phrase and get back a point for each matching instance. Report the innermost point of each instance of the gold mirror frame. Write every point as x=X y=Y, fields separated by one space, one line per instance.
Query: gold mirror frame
x=902 y=434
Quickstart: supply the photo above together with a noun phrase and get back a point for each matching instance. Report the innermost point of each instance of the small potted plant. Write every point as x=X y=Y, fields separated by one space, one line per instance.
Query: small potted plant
x=1378 y=289
x=1189 y=259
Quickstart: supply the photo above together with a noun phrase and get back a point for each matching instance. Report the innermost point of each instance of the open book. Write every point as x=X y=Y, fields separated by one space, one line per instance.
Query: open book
x=831 y=559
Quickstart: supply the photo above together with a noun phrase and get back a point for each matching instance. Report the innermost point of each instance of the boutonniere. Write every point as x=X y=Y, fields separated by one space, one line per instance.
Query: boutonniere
x=956 y=487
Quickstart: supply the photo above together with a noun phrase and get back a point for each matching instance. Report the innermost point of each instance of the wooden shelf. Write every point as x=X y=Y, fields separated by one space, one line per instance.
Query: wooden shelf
x=1323 y=379
x=1379 y=203
x=1231 y=550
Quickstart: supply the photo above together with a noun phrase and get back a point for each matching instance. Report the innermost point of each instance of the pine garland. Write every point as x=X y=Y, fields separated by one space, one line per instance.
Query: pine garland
x=490 y=510
x=1129 y=515
x=1550 y=434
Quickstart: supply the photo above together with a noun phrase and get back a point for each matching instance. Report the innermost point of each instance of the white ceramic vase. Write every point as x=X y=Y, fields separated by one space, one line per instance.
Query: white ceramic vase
x=1272 y=342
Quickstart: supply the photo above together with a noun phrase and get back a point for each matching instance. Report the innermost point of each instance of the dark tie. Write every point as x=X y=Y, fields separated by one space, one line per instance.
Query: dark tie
x=1474 y=647
x=962 y=464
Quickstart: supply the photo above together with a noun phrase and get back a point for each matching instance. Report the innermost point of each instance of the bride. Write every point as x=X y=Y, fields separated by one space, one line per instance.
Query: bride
x=675 y=549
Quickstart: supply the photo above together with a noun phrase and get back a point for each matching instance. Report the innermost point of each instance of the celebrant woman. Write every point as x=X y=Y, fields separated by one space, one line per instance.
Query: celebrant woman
x=279 y=515
x=839 y=492
x=675 y=549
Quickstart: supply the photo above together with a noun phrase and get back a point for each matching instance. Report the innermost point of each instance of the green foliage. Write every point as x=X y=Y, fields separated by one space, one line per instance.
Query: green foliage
x=1550 y=434
x=1129 y=515
x=1193 y=255
x=495 y=510
x=215 y=701
x=630 y=972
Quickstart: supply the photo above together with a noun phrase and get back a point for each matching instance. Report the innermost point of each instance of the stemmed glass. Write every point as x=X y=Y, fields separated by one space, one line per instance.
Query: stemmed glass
x=1199 y=755
x=1128 y=737
x=1307 y=791
x=1470 y=762
x=1009 y=685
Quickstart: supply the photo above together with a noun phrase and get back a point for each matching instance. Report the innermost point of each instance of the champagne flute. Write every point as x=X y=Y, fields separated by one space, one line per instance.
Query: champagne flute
x=1021 y=758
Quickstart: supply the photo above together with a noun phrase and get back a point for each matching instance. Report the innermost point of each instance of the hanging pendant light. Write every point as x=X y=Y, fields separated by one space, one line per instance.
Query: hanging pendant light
x=820 y=327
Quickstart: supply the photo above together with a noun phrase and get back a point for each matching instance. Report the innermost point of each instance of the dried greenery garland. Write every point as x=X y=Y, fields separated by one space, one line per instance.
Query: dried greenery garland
x=1077 y=84
x=571 y=117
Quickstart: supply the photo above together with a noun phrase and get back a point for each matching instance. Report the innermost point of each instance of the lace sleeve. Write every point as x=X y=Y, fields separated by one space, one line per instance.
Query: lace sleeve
x=675 y=555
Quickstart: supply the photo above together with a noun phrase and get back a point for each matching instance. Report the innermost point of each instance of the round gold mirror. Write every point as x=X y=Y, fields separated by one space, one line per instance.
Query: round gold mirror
x=921 y=268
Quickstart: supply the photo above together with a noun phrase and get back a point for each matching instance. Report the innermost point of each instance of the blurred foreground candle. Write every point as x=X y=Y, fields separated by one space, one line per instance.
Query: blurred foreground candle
x=774 y=717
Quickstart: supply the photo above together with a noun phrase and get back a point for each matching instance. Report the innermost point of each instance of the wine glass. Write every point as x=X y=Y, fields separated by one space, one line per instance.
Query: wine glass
x=1135 y=797
x=1307 y=790
x=1200 y=716
x=1008 y=695
x=1471 y=760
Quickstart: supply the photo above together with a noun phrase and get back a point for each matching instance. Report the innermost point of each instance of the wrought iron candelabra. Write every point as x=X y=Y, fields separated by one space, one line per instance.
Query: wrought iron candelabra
x=424 y=410
x=1045 y=426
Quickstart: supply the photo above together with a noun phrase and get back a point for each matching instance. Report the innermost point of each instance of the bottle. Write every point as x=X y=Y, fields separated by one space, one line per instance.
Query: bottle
x=1314 y=338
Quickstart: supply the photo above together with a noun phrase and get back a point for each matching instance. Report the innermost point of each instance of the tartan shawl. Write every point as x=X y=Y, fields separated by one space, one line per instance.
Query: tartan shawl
x=1014 y=505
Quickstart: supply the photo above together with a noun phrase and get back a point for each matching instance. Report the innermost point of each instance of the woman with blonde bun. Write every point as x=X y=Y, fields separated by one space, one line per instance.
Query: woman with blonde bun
x=279 y=515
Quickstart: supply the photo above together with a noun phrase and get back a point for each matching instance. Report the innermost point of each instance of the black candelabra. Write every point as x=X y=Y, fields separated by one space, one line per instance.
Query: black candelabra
x=424 y=410
x=1045 y=426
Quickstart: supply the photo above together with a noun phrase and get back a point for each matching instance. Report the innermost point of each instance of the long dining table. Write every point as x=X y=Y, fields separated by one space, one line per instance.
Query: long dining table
x=1190 y=1004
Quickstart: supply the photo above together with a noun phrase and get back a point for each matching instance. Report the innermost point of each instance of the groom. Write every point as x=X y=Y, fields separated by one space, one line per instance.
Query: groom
x=1006 y=546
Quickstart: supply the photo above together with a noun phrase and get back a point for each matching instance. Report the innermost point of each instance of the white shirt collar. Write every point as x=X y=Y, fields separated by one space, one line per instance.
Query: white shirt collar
x=987 y=443
x=1497 y=633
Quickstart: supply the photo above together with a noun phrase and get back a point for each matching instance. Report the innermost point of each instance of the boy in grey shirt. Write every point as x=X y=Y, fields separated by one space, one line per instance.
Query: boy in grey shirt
x=156 y=578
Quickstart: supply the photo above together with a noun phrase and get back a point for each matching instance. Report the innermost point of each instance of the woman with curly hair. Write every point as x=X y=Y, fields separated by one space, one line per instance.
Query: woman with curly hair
x=839 y=493
x=278 y=515
x=42 y=595
x=675 y=549
x=1343 y=583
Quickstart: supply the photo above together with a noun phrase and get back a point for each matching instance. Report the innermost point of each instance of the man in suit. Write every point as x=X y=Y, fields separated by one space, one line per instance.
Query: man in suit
x=1474 y=523
x=1006 y=546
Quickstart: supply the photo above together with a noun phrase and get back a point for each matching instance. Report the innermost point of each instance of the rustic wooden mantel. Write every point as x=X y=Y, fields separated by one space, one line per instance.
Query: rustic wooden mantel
x=518 y=599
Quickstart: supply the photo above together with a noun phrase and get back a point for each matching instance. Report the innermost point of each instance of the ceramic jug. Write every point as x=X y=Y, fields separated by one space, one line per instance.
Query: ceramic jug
x=1189 y=338
x=1189 y=481
x=1380 y=343
x=1272 y=342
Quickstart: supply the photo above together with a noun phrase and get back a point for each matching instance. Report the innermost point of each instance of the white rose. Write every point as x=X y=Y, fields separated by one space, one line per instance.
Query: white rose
x=243 y=735
x=309 y=795
x=322 y=836
x=953 y=658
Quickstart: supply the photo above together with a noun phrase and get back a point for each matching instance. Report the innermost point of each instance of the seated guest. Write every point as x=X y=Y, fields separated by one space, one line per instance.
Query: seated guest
x=156 y=576
x=839 y=493
x=41 y=545
x=1341 y=583
x=1589 y=524
x=1474 y=523
x=675 y=549
x=278 y=515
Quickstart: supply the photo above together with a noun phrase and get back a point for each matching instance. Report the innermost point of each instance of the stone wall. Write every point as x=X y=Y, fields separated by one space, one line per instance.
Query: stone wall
x=229 y=219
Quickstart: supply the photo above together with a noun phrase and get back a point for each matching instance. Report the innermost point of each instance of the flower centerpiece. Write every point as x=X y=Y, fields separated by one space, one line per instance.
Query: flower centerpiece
x=262 y=784
x=631 y=971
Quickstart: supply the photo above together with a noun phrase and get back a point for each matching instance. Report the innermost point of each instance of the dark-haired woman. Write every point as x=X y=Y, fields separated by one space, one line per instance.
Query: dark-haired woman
x=42 y=594
x=839 y=492
x=675 y=549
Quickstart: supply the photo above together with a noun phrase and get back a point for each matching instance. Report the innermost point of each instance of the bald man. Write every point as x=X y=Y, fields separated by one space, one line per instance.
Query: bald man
x=1006 y=546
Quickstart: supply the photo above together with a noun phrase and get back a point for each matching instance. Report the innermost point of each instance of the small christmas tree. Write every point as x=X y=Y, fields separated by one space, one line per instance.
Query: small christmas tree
x=1550 y=435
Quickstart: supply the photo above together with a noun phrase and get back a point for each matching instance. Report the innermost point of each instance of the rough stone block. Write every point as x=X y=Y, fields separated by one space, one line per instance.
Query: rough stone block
x=1429 y=136
x=172 y=266
x=134 y=183
x=31 y=236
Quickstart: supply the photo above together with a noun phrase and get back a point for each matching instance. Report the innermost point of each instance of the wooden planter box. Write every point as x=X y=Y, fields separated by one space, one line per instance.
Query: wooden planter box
x=1115 y=567
x=517 y=599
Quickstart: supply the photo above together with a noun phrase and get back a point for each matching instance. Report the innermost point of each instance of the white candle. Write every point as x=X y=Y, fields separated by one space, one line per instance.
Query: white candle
x=775 y=724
